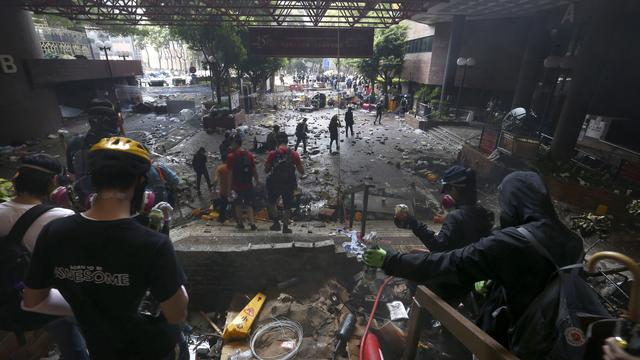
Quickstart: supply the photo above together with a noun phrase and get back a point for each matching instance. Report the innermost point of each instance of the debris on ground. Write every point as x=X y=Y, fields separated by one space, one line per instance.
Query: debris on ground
x=589 y=224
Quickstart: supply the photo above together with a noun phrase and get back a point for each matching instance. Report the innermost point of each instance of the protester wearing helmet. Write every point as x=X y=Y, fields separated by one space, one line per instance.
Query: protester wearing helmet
x=103 y=121
x=103 y=262
x=36 y=176
x=466 y=221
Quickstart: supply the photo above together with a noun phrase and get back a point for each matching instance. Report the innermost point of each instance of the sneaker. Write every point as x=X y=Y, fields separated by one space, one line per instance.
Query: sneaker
x=253 y=227
x=240 y=226
x=275 y=226
x=286 y=231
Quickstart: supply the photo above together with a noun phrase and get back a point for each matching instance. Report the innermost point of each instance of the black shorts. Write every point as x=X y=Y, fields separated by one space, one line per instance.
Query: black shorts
x=245 y=196
x=287 y=197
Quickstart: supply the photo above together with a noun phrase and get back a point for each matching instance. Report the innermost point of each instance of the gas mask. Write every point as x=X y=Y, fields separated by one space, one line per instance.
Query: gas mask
x=447 y=201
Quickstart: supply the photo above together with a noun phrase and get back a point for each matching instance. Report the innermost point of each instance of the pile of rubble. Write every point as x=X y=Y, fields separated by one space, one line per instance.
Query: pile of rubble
x=307 y=312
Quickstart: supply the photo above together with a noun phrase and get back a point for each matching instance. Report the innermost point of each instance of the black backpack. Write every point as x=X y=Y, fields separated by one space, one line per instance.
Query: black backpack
x=283 y=171
x=550 y=327
x=14 y=262
x=242 y=169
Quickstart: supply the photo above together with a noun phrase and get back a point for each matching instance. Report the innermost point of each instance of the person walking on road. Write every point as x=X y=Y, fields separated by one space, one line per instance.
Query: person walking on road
x=243 y=172
x=348 y=121
x=224 y=145
x=379 y=111
x=281 y=165
x=301 y=135
x=199 y=164
x=334 y=124
x=271 y=143
x=222 y=178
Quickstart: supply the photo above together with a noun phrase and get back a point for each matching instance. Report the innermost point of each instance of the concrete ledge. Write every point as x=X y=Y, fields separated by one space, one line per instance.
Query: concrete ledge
x=214 y=275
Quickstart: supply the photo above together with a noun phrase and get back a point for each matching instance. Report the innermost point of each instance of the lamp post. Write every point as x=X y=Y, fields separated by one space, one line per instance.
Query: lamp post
x=106 y=47
x=123 y=54
x=464 y=63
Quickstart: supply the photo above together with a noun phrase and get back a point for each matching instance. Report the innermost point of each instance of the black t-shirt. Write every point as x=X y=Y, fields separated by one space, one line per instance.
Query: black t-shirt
x=103 y=269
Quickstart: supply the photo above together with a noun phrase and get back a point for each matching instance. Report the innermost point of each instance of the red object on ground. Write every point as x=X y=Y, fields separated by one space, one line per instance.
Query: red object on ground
x=364 y=343
x=372 y=348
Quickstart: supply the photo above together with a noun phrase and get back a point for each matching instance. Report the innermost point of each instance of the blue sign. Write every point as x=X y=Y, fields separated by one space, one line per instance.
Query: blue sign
x=326 y=64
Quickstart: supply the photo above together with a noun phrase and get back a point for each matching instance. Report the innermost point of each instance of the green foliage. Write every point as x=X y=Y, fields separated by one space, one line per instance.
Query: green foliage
x=6 y=190
x=258 y=69
x=368 y=67
x=298 y=65
x=388 y=55
x=427 y=95
x=221 y=45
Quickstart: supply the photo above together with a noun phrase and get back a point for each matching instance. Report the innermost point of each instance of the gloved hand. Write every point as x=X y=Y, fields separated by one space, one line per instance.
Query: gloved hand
x=374 y=257
x=166 y=209
x=410 y=222
x=613 y=351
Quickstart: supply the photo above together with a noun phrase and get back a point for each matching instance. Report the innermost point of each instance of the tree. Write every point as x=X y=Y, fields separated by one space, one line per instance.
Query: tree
x=221 y=47
x=298 y=66
x=158 y=38
x=388 y=56
x=258 y=69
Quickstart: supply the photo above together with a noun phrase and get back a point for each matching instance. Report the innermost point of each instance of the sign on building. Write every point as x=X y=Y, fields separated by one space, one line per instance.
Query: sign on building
x=311 y=42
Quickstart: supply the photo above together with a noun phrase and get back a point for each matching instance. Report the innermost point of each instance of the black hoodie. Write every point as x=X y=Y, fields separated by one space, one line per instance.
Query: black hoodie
x=506 y=257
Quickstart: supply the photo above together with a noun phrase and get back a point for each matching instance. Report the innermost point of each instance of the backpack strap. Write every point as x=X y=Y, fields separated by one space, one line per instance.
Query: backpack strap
x=25 y=221
x=536 y=244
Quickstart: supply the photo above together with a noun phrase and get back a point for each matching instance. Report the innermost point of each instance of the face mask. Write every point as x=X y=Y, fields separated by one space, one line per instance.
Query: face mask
x=447 y=201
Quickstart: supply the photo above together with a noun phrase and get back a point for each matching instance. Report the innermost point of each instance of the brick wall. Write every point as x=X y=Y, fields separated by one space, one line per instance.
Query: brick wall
x=216 y=273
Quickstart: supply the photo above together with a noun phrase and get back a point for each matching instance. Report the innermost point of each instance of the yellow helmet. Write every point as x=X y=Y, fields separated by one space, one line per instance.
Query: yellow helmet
x=123 y=144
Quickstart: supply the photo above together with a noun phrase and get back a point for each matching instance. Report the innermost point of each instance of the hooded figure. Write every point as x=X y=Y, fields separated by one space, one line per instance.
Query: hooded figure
x=518 y=272
x=466 y=221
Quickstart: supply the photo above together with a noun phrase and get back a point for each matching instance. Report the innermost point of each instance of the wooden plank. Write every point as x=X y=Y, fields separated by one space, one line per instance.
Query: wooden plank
x=477 y=341
x=416 y=323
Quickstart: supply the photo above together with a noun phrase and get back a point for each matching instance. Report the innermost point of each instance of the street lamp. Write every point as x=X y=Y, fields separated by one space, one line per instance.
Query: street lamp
x=106 y=46
x=464 y=63
x=123 y=54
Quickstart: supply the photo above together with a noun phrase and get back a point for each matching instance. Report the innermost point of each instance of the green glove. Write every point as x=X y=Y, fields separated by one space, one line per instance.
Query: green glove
x=374 y=257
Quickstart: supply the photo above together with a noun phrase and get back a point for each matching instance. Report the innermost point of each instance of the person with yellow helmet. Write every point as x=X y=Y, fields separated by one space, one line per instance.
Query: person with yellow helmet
x=103 y=262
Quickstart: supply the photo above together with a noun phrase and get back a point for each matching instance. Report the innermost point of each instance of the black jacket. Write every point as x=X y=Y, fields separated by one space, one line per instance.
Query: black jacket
x=348 y=118
x=199 y=162
x=505 y=257
x=224 y=148
x=462 y=226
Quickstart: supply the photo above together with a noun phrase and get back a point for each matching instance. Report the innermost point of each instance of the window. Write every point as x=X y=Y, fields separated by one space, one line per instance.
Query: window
x=419 y=45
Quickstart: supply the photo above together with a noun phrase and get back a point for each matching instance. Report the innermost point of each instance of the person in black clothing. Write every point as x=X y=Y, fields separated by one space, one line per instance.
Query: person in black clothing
x=507 y=258
x=199 y=164
x=225 y=146
x=466 y=223
x=103 y=262
x=271 y=143
x=348 y=122
x=301 y=135
x=334 y=124
x=379 y=111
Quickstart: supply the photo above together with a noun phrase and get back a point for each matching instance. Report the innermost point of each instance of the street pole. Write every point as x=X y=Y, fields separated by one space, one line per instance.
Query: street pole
x=464 y=74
